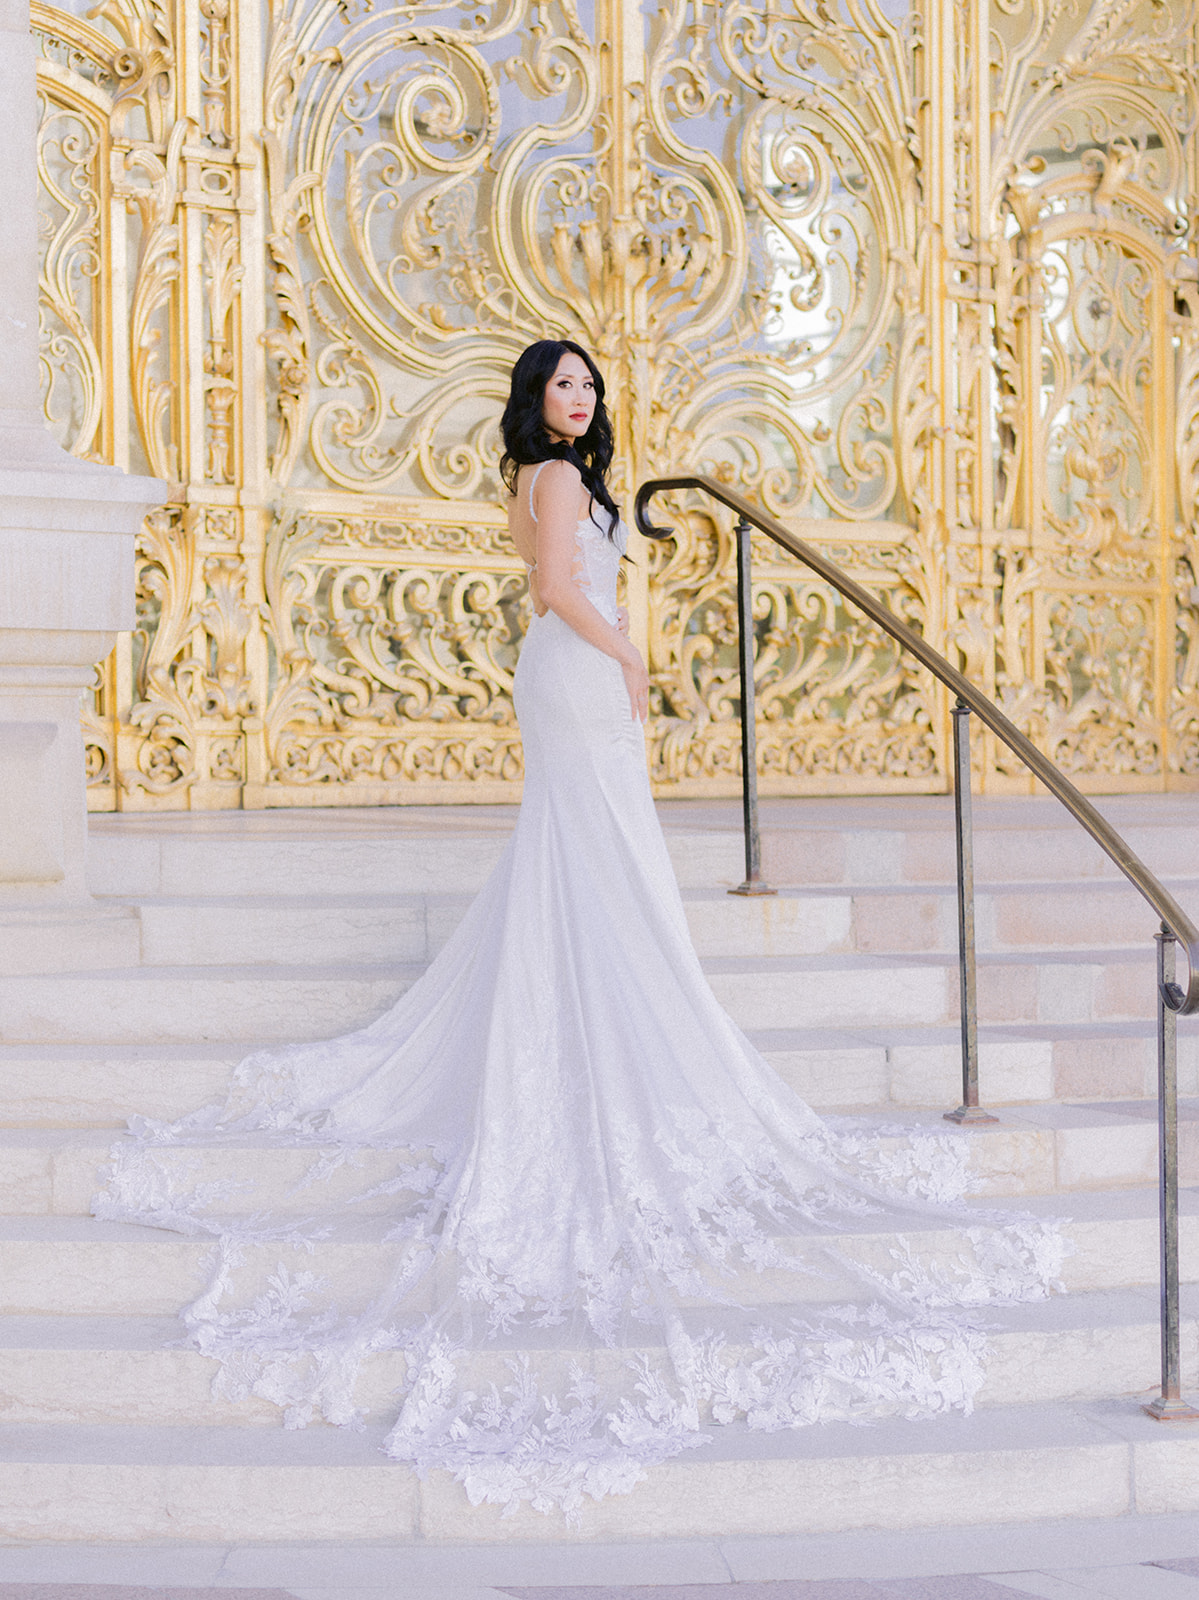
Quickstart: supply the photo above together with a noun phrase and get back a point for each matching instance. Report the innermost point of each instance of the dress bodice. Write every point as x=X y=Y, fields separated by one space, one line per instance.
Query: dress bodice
x=597 y=560
x=599 y=564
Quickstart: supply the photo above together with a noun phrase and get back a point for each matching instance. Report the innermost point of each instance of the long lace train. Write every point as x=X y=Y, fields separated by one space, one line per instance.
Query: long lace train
x=559 y=1216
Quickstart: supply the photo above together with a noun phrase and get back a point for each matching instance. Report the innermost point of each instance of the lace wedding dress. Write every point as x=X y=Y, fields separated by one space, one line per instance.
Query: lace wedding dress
x=594 y=1225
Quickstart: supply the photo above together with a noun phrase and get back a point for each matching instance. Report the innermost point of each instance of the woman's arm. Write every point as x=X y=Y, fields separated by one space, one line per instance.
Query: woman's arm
x=556 y=495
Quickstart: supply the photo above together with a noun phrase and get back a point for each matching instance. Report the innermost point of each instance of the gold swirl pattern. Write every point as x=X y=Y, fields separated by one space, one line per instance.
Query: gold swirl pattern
x=921 y=281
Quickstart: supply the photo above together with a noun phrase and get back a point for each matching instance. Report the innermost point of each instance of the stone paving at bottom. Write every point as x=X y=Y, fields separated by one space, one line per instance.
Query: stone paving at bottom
x=1106 y=1558
x=1111 y=1583
x=120 y=1591
x=1161 y=1580
x=1122 y=1583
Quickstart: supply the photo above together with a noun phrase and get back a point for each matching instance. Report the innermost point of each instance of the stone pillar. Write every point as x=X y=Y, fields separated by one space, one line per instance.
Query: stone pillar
x=67 y=531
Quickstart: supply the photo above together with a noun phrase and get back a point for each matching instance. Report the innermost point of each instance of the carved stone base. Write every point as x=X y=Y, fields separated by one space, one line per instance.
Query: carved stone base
x=67 y=531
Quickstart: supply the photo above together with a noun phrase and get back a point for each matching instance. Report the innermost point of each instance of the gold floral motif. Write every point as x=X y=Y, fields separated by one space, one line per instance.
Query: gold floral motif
x=370 y=653
x=71 y=173
x=223 y=276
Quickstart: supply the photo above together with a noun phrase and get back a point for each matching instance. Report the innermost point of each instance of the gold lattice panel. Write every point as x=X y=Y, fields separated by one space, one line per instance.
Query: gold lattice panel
x=921 y=281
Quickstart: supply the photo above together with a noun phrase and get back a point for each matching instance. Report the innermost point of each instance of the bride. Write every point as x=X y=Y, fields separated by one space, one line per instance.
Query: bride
x=564 y=1221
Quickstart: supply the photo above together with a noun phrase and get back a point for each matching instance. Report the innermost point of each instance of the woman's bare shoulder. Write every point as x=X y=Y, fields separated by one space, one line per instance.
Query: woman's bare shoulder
x=557 y=476
x=559 y=490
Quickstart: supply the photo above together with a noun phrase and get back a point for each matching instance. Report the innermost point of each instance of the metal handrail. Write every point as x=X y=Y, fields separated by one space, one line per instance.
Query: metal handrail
x=1176 y=926
x=1185 y=1002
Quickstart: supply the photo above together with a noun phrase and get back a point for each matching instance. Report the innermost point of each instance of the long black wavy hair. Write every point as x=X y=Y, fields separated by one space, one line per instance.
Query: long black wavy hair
x=523 y=427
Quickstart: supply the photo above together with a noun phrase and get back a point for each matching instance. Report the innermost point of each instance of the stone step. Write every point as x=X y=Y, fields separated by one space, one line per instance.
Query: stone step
x=78 y=1266
x=334 y=929
x=906 y=918
x=256 y=928
x=70 y=939
x=265 y=1485
x=784 y=992
x=81 y=1370
x=851 y=1068
x=187 y=1005
x=205 y=1004
x=247 y=855
x=1009 y=917
x=331 y=929
x=1014 y=841
x=1031 y=1150
x=73 y=1086
x=252 y=854
x=850 y=841
x=889 y=1068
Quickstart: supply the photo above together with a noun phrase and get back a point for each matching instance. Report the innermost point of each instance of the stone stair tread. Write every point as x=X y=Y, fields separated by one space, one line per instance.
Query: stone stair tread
x=1047 y=1147
x=49 y=1230
x=132 y=1370
x=319 y=822
x=873 y=961
x=132 y=1050
x=1084 y=1308
x=143 y=1482
x=1085 y=1205
x=814 y=1037
x=385 y=900
x=1054 y=1426
x=873 y=1067
x=1050 y=1114
x=1030 y=888
x=935 y=1033
x=822 y=961
x=1054 y=1114
x=147 y=1444
x=888 y=813
x=1099 y=1205
x=325 y=972
x=31 y=1331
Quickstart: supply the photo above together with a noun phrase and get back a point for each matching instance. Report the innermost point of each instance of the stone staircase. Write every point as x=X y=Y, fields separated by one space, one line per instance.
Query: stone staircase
x=226 y=931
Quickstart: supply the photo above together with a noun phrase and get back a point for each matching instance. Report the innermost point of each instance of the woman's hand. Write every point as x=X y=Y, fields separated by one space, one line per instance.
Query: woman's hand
x=622 y=620
x=636 y=681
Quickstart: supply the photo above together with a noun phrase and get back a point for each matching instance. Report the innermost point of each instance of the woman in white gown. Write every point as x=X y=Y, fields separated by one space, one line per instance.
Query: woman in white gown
x=604 y=1226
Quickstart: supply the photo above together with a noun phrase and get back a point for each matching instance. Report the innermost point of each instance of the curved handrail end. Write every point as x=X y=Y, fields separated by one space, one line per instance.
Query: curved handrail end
x=641 y=513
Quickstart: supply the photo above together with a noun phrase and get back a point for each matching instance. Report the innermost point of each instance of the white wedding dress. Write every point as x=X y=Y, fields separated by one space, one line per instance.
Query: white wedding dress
x=596 y=1226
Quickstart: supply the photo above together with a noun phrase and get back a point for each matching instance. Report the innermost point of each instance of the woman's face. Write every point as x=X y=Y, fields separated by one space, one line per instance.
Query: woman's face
x=569 y=402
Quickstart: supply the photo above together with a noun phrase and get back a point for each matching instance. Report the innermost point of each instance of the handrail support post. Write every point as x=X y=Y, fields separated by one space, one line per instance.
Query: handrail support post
x=1169 y=1405
x=754 y=884
x=969 y=1112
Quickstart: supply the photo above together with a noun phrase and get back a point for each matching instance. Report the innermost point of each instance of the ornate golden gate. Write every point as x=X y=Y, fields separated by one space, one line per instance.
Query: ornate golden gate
x=925 y=280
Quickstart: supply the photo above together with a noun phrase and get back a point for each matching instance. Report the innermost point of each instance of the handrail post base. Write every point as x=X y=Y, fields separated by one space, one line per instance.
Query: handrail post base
x=970 y=1116
x=1173 y=1410
x=754 y=888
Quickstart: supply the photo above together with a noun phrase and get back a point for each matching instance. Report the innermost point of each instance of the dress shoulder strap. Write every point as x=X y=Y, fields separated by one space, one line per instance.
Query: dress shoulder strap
x=532 y=481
